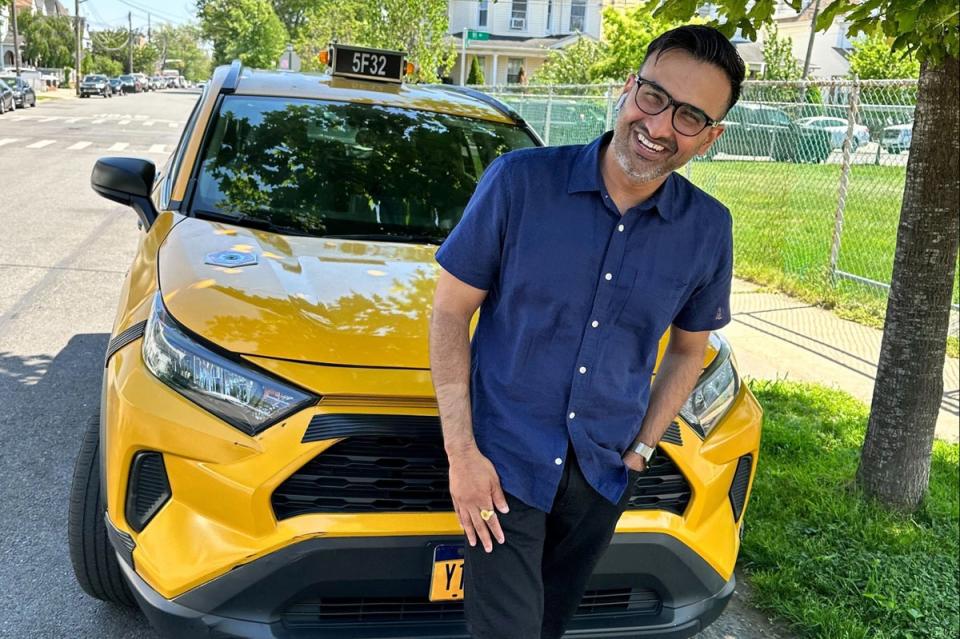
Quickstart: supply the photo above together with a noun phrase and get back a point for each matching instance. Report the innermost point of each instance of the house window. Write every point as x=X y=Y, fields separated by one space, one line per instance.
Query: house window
x=578 y=15
x=549 y=16
x=514 y=67
x=518 y=15
x=843 y=40
x=482 y=18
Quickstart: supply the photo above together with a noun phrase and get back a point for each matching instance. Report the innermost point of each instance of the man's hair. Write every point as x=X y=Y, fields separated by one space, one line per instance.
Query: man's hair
x=707 y=45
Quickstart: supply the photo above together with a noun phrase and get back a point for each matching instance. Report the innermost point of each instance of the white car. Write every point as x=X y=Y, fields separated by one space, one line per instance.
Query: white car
x=837 y=128
x=897 y=137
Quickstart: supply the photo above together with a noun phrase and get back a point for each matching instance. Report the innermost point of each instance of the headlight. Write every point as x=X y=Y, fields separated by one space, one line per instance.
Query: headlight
x=715 y=392
x=245 y=398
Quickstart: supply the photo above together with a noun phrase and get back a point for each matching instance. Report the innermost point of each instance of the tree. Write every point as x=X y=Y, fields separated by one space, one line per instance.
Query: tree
x=572 y=65
x=476 y=73
x=101 y=64
x=180 y=49
x=244 y=29
x=417 y=27
x=871 y=59
x=145 y=59
x=778 y=60
x=48 y=40
x=895 y=459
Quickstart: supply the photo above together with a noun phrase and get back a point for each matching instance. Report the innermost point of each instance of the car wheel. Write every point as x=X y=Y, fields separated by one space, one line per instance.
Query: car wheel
x=3 y=108
x=94 y=560
x=854 y=145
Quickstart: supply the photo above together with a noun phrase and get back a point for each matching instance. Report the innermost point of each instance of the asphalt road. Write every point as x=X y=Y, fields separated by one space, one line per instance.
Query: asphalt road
x=63 y=255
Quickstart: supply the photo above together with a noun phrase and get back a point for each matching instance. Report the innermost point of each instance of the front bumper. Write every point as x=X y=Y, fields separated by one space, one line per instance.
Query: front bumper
x=339 y=589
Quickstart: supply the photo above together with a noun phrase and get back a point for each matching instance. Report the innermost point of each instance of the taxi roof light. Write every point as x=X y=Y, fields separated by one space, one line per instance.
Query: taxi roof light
x=364 y=63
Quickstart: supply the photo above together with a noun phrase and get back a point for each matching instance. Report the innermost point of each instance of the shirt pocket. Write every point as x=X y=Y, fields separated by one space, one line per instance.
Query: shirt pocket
x=654 y=299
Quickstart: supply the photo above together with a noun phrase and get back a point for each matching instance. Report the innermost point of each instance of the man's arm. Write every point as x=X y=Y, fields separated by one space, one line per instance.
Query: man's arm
x=474 y=483
x=679 y=371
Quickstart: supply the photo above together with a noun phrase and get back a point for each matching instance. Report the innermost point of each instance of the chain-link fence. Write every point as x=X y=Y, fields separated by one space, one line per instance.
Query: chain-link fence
x=813 y=173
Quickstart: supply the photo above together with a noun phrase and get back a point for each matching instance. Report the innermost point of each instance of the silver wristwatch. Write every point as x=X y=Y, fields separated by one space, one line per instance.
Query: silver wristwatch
x=644 y=451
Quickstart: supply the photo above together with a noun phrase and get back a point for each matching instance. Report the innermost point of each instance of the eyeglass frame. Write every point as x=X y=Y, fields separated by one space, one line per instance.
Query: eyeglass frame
x=676 y=105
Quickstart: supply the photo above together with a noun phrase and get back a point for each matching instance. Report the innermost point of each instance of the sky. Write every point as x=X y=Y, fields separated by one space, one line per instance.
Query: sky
x=111 y=14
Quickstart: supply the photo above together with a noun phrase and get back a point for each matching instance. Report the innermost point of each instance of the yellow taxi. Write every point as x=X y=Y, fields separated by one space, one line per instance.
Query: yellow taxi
x=267 y=460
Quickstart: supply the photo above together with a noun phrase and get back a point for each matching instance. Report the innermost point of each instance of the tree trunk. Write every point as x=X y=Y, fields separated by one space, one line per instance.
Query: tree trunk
x=895 y=461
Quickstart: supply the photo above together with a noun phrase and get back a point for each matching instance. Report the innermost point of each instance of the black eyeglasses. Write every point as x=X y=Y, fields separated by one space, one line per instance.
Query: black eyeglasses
x=687 y=119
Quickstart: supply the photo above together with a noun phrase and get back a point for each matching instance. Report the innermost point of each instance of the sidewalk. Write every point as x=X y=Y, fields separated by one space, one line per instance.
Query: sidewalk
x=57 y=94
x=776 y=336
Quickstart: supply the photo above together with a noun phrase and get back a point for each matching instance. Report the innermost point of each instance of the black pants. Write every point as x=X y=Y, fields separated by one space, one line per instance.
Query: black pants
x=530 y=586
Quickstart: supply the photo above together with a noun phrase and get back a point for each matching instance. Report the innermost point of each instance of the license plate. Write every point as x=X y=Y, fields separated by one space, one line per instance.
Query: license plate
x=447 y=581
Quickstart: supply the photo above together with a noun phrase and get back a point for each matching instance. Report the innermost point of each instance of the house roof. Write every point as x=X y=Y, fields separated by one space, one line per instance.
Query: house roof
x=806 y=15
x=520 y=44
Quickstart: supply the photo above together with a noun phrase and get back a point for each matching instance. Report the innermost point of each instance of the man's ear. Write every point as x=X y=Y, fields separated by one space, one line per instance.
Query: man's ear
x=712 y=136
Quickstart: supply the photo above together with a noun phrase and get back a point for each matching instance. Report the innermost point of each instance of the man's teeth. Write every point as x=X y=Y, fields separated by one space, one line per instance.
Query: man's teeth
x=647 y=143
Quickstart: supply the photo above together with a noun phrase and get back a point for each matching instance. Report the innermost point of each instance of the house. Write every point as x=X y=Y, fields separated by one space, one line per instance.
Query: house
x=831 y=48
x=38 y=7
x=520 y=34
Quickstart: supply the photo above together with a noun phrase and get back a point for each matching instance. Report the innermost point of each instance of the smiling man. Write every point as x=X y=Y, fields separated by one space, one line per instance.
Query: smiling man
x=580 y=258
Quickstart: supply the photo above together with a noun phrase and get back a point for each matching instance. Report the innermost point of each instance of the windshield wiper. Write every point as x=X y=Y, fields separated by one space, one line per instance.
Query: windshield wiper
x=389 y=237
x=248 y=221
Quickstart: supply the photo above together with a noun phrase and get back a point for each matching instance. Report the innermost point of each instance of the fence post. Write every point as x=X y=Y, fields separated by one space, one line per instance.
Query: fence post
x=609 y=119
x=853 y=107
x=547 y=116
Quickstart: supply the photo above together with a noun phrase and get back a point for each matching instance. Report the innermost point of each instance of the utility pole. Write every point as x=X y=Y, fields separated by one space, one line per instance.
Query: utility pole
x=813 y=33
x=130 y=41
x=149 y=33
x=16 y=37
x=76 y=22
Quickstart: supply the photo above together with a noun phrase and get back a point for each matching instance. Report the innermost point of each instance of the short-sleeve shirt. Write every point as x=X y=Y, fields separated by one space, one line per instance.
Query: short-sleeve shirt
x=578 y=299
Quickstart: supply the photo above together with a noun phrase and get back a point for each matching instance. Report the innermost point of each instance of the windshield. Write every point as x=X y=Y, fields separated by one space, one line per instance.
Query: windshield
x=94 y=78
x=334 y=168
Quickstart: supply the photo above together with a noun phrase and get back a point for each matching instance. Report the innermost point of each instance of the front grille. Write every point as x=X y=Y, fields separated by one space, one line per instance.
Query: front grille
x=393 y=473
x=349 y=610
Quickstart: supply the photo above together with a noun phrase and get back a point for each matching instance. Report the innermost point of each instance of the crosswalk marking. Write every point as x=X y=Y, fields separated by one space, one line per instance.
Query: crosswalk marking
x=71 y=120
x=122 y=122
x=119 y=146
x=100 y=121
x=7 y=140
x=40 y=144
x=149 y=123
x=158 y=148
x=78 y=146
x=19 y=118
x=173 y=125
x=48 y=119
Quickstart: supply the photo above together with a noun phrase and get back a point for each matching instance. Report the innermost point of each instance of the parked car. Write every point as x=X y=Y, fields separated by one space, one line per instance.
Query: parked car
x=267 y=459
x=157 y=83
x=837 y=128
x=130 y=84
x=116 y=85
x=95 y=85
x=897 y=138
x=7 y=102
x=23 y=93
x=765 y=131
x=143 y=80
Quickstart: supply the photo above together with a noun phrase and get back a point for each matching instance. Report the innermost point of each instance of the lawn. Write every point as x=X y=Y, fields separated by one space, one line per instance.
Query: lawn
x=784 y=223
x=824 y=558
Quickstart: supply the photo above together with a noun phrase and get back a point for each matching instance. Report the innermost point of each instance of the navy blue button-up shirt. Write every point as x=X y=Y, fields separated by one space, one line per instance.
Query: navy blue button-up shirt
x=578 y=298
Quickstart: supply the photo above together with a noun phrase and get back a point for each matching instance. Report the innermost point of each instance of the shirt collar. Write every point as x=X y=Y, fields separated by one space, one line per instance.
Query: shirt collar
x=585 y=176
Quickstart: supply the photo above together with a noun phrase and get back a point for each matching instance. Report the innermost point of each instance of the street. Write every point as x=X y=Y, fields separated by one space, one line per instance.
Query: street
x=63 y=255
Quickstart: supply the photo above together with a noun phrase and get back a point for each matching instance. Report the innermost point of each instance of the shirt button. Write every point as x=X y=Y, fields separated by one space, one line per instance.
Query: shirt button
x=558 y=461
x=620 y=228
x=608 y=276
x=583 y=369
x=594 y=323
x=572 y=415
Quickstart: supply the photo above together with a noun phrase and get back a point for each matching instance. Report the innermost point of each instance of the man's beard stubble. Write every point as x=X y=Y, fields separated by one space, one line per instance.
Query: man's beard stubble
x=639 y=170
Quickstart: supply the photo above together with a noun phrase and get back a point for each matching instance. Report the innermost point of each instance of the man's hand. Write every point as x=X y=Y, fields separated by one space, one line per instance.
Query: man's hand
x=633 y=461
x=475 y=487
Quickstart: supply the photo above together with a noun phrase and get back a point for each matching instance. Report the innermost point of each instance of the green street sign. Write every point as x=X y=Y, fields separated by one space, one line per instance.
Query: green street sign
x=477 y=35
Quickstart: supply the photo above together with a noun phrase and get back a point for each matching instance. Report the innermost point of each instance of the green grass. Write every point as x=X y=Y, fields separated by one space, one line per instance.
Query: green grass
x=821 y=556
x=784 y=223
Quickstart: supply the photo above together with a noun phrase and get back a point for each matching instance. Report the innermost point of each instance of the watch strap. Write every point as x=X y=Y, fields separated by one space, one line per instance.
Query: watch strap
x=644 y=451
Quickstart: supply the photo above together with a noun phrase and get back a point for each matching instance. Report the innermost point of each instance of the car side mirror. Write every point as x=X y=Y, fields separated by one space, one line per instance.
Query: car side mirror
x=127 y=181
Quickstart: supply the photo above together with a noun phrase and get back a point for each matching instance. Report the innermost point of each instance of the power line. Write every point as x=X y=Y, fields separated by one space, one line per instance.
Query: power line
x=162 y=14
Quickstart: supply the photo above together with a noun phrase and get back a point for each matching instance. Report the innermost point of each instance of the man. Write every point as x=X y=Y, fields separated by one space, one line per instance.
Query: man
x=582 y=257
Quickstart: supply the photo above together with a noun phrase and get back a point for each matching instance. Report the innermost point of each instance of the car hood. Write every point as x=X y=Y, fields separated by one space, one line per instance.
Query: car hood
x=306 y=299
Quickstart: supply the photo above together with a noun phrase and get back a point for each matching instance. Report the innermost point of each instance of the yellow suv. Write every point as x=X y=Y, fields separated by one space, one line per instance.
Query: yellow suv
x=267 y=460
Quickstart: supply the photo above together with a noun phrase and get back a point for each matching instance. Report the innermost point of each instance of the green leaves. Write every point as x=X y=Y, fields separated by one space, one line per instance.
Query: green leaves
x=872 y=59
x=246 y=29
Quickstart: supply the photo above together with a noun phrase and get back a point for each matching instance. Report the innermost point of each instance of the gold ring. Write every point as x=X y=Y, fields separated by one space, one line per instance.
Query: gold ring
x=486 y=514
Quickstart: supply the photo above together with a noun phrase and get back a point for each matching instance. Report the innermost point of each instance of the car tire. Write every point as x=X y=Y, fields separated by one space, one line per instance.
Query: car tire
x=3 y=109
x=95 y=562
x=33 y=103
